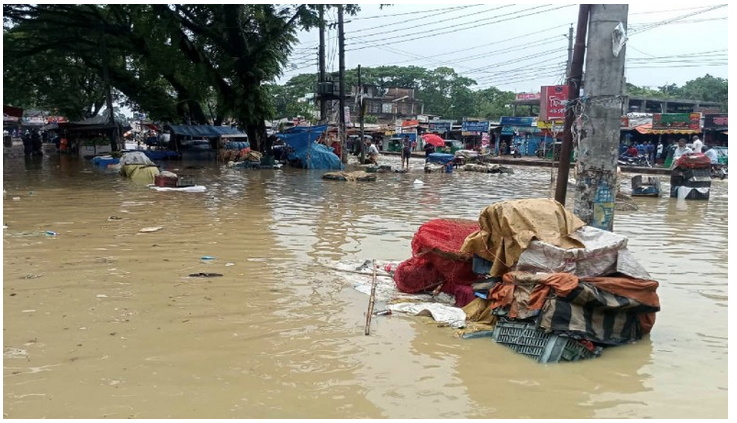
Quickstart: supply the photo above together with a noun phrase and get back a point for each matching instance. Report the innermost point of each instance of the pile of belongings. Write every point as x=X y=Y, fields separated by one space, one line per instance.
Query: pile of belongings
x=533 y=263
x=430 y=167
x=487 y=168
x=350 y=176
x=242 y=155
x=135 y=165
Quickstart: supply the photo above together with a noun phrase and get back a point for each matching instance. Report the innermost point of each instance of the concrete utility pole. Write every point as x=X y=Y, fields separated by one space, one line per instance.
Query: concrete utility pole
x=599 y=145
x=321 y=77
x=341 y=77
x=570 y=51
x=361 y=115
x=574 y=85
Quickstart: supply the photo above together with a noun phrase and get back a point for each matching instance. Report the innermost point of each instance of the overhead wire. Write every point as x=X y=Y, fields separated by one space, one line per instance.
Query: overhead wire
x=404 y=22
x=457 y=29
x=445 y=20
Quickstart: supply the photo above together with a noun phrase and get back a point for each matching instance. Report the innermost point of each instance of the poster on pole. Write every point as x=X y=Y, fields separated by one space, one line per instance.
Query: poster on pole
x=553 y=102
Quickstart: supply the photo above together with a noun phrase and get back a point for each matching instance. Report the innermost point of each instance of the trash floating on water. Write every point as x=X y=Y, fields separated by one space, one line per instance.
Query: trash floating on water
x=229 y=264
x=151 y=229
x=205 y=275
x=101 y=296
x=16 y=198
x=418 y=182
x=207 y=258
x=51 y=233
x=114 y=218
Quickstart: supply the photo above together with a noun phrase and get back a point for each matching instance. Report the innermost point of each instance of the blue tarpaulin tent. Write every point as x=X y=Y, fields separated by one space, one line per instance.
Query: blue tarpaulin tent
x=207 y=131
x=310 y=154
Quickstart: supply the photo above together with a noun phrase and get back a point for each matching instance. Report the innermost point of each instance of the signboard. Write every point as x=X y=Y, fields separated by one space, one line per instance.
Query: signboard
x=715 y=122
x=517 y=121
x=347 y=116
x=528 y=96
x=386 y=108
x=422 y=118
x=519 y=130
x=56 y=119
x=439 y=127
x=485 y=139
x=552 y=126
x=410 y=123
x=553 y=102
x=482 y=126
x=677 y=121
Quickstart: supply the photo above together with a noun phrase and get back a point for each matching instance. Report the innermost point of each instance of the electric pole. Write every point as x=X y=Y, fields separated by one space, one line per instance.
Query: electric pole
x=599 y=144
x=574 y=85
x=570 y=51
x=361 y=115
x=321 y=60
x=341 y=77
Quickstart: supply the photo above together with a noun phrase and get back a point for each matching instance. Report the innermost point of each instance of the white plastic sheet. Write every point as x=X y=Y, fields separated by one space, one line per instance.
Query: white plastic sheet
x=604 y=253
x=195 y=188
x=453 y=316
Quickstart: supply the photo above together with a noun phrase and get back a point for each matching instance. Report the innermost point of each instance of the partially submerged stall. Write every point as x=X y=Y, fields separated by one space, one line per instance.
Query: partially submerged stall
x=305 y=152
x=204 y=142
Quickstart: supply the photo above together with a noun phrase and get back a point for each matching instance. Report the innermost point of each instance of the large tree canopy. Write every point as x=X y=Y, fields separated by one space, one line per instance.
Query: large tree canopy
x=194 y=63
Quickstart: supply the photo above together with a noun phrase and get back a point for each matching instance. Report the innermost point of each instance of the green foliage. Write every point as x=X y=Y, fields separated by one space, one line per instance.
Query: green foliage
x=705 y=88
x=174 y=62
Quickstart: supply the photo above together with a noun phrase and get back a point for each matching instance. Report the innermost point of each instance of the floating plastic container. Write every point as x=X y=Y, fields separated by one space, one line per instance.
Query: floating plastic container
x=185 y=181
x=543 y=347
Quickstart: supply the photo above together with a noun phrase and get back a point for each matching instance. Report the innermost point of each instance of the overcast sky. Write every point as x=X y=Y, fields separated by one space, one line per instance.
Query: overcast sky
x=496 y=45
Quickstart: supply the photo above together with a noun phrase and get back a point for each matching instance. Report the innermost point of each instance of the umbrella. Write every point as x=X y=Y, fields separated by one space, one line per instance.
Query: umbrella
x=434 y=140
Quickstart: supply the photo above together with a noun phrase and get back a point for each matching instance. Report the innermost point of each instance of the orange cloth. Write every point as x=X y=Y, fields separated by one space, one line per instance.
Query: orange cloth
x=503 y=294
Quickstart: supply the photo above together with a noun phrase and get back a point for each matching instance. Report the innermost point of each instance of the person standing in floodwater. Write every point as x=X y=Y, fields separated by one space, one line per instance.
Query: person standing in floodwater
x=406 y=150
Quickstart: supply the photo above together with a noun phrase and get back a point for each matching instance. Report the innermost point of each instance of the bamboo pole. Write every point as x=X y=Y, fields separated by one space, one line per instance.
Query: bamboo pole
x=372 y=300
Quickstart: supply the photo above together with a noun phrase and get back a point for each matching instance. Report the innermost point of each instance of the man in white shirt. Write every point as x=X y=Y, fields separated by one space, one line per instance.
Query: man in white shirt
x=712 y=155
x=697 y=144
x=373 y=153
x=680 y=150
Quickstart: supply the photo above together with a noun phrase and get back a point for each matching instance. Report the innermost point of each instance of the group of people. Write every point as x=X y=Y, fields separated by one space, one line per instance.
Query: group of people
x=676 y=150
x=32 y=143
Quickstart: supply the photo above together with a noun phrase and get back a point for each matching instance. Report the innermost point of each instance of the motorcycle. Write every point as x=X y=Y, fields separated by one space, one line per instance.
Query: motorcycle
x=640 y=160
x=514 y=151
x=718 y=171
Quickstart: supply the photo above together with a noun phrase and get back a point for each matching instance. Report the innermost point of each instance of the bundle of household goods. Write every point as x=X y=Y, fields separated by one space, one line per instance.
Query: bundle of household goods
x=542 y=282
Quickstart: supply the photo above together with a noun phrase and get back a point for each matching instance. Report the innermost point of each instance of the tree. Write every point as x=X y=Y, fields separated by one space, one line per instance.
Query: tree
x=493 y=103
x=175 y=61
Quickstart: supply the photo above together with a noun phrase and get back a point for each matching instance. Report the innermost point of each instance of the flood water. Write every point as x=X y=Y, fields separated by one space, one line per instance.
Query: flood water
x=102 y=321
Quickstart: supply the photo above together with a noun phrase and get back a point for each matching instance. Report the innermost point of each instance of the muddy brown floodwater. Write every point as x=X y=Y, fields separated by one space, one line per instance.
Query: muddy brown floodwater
x=102 y=321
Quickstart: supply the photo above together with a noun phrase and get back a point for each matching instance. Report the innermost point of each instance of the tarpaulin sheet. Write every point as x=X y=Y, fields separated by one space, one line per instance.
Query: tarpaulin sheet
x=206 y=131
x=508 y=227
x=316 y=156
x=299 y=137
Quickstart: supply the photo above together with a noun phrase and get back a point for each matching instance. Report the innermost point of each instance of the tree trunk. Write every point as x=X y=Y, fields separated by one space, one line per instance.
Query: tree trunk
x=257 y=135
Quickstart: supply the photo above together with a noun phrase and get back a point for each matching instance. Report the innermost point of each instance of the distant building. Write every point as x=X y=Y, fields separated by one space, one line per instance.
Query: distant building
x=387 y=105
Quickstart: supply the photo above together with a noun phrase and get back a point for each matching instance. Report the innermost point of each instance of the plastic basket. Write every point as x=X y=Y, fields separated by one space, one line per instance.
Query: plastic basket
x=526 y=339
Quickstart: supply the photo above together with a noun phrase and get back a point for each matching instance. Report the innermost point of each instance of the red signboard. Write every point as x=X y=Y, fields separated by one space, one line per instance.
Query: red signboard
x=553 y=102
x=528 y=96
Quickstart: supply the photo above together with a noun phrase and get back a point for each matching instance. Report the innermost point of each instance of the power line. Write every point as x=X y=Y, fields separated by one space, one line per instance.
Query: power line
x=457 y=29
x=442 y=21
x=449 y=53
x=449 y=10
x=406 y=13
x=677 y=18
